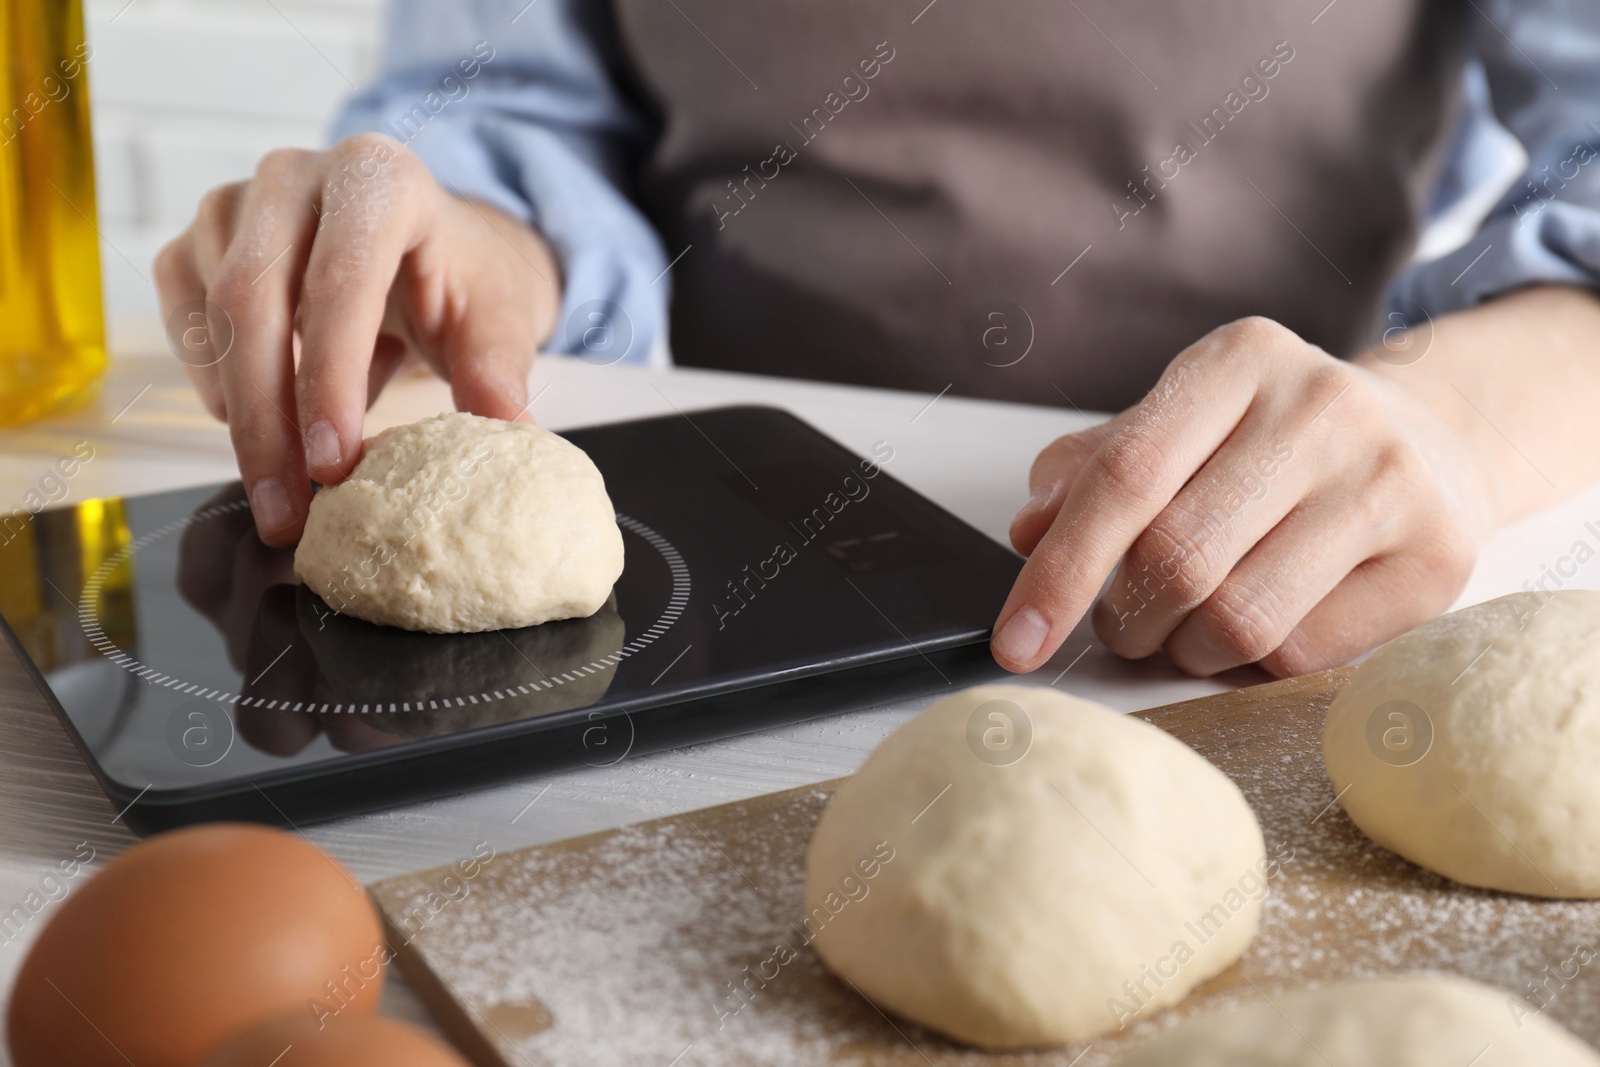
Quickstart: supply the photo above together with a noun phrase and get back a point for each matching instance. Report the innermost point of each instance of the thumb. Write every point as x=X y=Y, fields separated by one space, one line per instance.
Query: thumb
x=1049 y=480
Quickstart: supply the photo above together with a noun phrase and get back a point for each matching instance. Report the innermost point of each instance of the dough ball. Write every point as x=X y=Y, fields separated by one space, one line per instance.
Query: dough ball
x=1469 y=745
x=1016 y=867
x=458 y=524
x=1415 y=1021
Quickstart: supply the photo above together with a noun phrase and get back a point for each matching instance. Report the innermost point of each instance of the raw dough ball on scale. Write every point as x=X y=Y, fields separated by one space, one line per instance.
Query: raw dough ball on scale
x=458 y=524
x=1016 y=867
x=1470 y=745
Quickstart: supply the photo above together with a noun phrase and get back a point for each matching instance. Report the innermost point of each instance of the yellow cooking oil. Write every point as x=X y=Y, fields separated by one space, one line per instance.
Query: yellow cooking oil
x=52 y=324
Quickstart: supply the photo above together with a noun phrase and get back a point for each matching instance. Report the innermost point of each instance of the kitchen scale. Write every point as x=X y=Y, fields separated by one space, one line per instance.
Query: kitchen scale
x=770 y=576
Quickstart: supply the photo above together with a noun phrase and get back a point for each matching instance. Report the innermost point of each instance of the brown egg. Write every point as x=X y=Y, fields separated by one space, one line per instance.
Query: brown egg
x=348 y=1041
x=188 y=938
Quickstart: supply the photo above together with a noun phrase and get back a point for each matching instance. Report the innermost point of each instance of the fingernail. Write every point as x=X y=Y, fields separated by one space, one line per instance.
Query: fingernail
x=1041 y=496
x=322 y=443
x=517 y=391
x=270 y=505
x=1022 y=636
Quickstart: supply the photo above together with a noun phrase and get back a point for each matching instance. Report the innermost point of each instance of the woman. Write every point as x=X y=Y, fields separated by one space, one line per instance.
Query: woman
x=1199 y=214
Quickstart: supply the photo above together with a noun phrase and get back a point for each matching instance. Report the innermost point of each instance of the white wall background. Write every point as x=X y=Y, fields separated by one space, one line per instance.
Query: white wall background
x=188 y=94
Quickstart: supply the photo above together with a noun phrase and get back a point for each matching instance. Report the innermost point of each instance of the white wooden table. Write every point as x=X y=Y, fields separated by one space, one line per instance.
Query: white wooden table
x=150 y=433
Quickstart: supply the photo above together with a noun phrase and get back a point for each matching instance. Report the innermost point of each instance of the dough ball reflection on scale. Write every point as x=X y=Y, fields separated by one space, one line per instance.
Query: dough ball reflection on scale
x=362 y=663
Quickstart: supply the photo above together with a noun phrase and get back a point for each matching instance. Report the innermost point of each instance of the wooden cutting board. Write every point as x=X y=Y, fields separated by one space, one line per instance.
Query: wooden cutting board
x=634 y=946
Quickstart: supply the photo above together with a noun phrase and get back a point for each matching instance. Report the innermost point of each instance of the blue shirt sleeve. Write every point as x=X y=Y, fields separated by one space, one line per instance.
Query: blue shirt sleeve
x=1539 y=65
x=513 y=102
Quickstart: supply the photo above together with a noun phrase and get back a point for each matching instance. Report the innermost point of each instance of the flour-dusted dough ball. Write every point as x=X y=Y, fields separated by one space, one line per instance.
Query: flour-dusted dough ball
x=1415 y=1021
x=459 y=523
x=1470 y=745
x=1016 y=867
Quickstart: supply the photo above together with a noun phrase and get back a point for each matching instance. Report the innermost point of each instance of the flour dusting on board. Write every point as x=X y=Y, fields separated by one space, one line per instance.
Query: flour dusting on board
x=1349 y=908
x=680 y=941
x=654 y=941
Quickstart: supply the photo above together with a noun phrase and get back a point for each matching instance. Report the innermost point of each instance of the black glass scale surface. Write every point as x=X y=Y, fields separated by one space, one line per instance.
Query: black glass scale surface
x=770 y=576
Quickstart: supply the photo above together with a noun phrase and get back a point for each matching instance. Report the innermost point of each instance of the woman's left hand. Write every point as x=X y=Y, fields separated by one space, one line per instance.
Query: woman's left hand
x=1265 y=502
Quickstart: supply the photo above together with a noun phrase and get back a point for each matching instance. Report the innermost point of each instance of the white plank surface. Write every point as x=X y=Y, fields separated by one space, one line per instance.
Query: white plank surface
x=971 y=456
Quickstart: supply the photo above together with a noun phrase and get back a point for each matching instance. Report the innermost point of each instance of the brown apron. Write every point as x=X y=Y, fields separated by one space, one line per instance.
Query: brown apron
x=1029 y=199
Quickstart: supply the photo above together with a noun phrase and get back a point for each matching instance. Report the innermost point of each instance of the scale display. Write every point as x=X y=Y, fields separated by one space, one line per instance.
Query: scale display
x=201 y=679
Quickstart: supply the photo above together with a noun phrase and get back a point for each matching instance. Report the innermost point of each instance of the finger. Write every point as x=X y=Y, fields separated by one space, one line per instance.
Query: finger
x=1126 y=483
x=489 y=362
x=1383 y=507
x=388 y=356
x=491 y=351
x=208 y=239
x=1240 y=495
x=211 y=232
x=365 y=229
x=182 y=296
x=183 y=270
x=1051 y=476
x=1380 y=599
x=254 y=287
x=1311 y=594
x=1256 y=606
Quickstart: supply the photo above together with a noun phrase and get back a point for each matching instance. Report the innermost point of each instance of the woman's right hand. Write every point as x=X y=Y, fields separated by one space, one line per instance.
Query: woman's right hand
x=360 y=255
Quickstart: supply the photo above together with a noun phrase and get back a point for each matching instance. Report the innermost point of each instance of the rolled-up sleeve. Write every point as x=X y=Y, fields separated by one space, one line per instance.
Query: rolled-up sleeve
x=1541 y=59
x=515 y=103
